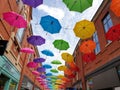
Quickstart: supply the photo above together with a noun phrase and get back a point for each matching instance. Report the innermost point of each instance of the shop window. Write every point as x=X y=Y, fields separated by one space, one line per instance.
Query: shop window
x=95 y=38
x=89 y=84
x=107 y=23
x=19 y=34
x=12 y=85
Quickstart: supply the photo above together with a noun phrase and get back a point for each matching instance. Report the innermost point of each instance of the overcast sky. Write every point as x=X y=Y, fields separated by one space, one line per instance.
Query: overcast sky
x=67 y=19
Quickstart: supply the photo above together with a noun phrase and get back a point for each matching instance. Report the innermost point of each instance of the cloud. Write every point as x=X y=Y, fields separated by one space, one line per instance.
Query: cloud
x=53 y=11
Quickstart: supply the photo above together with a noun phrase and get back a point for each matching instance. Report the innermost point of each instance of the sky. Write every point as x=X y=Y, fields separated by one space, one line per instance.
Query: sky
x=67 y=19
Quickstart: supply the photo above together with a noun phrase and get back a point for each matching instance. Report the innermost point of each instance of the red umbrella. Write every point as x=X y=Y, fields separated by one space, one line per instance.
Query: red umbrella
x=114 y=33
x=15 y=19
x=88 y=57
x=73 y=66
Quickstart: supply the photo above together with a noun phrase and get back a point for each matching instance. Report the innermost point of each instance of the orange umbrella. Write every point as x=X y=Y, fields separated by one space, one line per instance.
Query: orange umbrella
x=115 y=7
x=87 y=46
x=68 y=72
x=73 y=66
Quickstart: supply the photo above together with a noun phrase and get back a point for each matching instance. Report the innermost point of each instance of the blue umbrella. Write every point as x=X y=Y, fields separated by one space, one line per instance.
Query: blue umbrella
x=50 y=24
x=47 y=66
x=47 y=52
x=48 y=74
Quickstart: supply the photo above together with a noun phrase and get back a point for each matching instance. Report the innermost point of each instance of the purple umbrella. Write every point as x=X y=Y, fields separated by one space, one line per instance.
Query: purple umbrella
x=39 y=60
x=36 y=40
x=43 y=76
x=41 y=69
x=33 y=3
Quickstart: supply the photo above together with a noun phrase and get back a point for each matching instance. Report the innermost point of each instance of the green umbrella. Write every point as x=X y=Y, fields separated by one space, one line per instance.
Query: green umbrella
x=56 y=62
x=78 y=5
x=61 y=44
x=54 y=70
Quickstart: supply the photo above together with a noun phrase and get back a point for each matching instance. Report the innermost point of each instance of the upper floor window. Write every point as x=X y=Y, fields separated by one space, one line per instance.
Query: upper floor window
x=95 y=38
x=19 y=34
x=107 y=22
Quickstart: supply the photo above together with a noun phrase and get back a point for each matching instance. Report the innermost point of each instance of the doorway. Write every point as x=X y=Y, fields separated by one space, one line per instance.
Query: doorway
x=3 y=80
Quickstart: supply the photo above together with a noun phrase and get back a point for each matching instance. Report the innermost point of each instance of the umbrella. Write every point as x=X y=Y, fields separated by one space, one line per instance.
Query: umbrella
x=87 y=46
x=54 y=70
x=78 y=5
x=32 y=65
x=27 y=50
x=56 y=62
x=39 y=60
x=47 y=66
x=73 y=66
x=113 y=33
x=36 y=73
x=84 y=29
x=47 y=52
x=36 y=40
x=43 y=76
x=67 y=57
x=60 y=76
x=33 y=3
x=48 y=74
x=88 y=57
x=62 y=68
x=50 y=24
x=115 y=7
x=15 y=19
x=61 y=44
x=41 y=69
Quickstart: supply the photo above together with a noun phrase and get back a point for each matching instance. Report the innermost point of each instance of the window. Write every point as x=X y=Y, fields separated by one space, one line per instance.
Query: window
x=19 y=34
x=107 y=23
x=95 y=38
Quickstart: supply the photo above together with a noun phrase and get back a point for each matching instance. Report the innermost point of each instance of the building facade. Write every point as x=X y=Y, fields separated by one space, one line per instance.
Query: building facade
x=14 y=75
x=103 y=73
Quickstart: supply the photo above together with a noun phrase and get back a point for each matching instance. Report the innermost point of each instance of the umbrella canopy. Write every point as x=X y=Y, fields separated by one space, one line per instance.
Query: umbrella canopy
x=32 y=65
x=73 y=66
x=54 y=70
x=115 y=7
x=62 y=68
x=78 y=5
x=61 y=44
x=15 y=19
x=41 y=69
x=47 y=52
x=27 y=50
x=43 y=76
x=67 y=57
x=87 y=46
x=47 y=66
x=36 y=73
x=39 y=60
x=56 y=62
x=113 y=33
x=50 y=24
x=36 y=40
x=33 y=3
x=88 y=57
x=84 y=29
x=48 y=74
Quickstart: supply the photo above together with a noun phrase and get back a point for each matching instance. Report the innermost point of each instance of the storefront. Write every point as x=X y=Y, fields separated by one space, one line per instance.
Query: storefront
x=105 y=78
x=9 y=76
x=26 y=84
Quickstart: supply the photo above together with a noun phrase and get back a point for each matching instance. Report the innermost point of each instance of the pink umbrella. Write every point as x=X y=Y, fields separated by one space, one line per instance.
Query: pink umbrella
x=32 y=65
x=27 y=50
x=36 y=73
x=15 y=19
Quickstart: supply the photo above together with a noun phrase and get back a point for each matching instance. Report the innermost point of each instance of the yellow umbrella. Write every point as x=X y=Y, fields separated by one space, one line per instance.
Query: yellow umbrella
x=67 y=57
x=84 y=29
x=62 y=68
x=60 y=76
